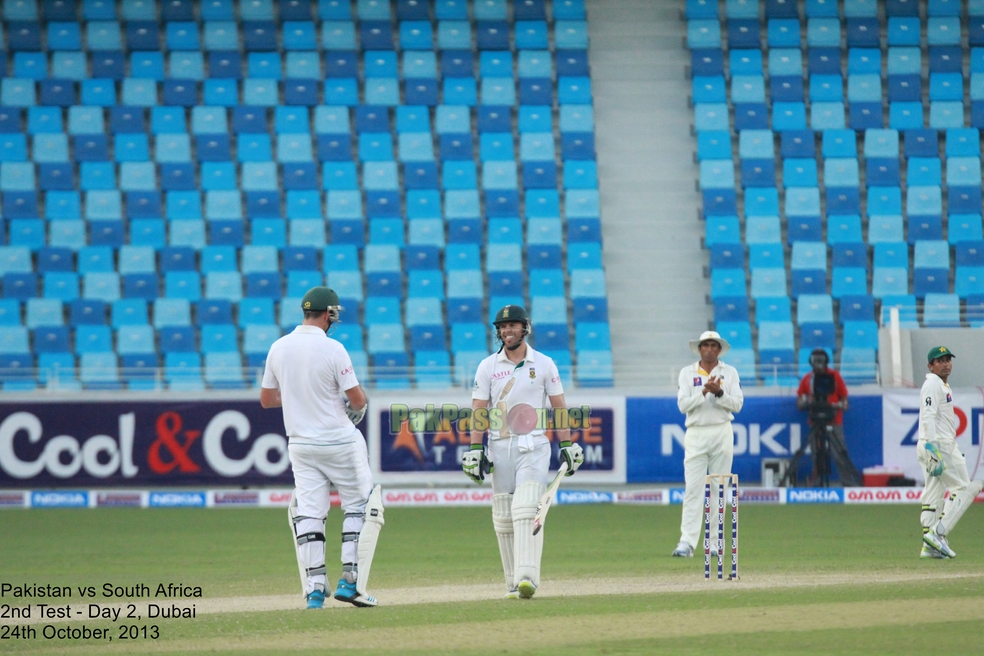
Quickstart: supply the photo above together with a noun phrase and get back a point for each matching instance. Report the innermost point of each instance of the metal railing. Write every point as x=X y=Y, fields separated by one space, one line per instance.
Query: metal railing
x=59 y=379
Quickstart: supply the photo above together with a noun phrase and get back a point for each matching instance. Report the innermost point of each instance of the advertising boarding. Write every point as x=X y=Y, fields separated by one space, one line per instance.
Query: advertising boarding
x=413 y=442
x=99 y=444
x=900 y=412
x=766 y=427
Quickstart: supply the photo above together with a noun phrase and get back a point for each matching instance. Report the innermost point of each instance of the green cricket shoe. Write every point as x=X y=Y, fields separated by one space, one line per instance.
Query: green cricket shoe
x=526 y=589
x=930 y=552
x=512 y=593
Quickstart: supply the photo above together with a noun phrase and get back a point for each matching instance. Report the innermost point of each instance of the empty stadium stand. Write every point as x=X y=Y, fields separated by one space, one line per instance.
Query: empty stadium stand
x=174 y=175
x=840 y=166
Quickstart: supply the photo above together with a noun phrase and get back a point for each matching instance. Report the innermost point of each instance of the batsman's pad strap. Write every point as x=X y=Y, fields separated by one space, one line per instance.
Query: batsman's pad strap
x=355 y=515
x=300 y=518
x=350 y=567
x=316 y=571
x=350 y=537
x=314 y=536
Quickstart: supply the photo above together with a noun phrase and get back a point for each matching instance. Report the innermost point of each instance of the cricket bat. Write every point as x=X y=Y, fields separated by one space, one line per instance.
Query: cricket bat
x=502 y=408
x=547 y=499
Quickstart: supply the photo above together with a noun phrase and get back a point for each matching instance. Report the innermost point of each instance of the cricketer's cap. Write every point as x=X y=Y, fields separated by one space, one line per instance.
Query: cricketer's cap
x=706 y=335
x=939 y=352
x=319 y=299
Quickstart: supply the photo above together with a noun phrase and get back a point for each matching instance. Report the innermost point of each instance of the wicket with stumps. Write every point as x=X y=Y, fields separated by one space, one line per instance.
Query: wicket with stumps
x=722 y=481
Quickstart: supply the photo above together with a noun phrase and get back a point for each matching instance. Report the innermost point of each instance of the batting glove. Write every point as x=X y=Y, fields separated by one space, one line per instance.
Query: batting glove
x=355 y=415
x=573 y=454
x=475 y=464
x=935 y=466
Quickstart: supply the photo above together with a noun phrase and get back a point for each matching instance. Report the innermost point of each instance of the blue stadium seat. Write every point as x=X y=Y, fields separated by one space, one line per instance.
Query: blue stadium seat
x=856 y=308
x=814 y=308
x=848 y=281
x=941 y=310
x=818 y=335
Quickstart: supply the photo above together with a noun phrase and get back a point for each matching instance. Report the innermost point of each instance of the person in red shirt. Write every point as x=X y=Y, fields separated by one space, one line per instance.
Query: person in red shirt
x=835 y=444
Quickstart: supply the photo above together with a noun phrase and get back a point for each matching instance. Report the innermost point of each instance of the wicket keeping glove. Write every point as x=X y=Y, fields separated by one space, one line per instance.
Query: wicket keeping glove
x=476 y=464
x=355 y=415
x=573 y=454
x=935 y=466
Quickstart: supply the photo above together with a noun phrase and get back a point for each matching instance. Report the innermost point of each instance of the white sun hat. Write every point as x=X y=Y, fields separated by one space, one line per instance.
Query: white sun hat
x=706 y=335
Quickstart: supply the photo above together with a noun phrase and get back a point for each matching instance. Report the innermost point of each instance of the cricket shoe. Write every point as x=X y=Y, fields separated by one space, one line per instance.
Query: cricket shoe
x=930 y=552
x=315 y=600
x=942 y=538
x=683 y=550
x=512 y=593
x=939 y=543
x=346 y=592
x=526 y=589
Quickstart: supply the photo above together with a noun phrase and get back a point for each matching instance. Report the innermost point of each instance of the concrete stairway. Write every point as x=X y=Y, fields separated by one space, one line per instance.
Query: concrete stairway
x=652 y=236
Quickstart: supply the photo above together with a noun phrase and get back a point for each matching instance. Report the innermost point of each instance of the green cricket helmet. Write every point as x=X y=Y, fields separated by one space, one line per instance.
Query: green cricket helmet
x=319 y=299
x=510 y=313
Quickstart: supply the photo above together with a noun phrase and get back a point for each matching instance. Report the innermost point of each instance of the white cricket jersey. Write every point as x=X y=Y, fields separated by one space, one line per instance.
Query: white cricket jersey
x=937 y=421
x=536 y=376
x=708 y=410
x=312 y=372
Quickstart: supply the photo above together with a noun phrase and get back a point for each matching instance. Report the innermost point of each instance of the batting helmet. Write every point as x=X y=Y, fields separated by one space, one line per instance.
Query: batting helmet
x=319 y=299
x=511 y=313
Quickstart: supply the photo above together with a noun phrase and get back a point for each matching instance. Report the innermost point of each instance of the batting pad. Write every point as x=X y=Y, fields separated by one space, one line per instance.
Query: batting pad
x=368 y=537
x=309 y=547
x=503 y=524
x=957 y=505
x=524 y=504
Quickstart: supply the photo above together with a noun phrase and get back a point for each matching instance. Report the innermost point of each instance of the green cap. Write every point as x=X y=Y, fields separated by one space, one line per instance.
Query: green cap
x=319 y=299
x=939 y=352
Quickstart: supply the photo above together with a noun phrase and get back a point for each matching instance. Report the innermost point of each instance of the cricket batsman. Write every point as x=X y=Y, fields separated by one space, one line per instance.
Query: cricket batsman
x=311 y=376
x=518 y=381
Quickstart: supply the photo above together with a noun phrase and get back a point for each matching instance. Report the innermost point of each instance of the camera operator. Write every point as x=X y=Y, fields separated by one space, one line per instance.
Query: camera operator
x=823 y=394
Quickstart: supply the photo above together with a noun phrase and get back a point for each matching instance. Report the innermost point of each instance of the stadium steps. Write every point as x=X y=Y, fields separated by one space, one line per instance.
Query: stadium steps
x=656 y=287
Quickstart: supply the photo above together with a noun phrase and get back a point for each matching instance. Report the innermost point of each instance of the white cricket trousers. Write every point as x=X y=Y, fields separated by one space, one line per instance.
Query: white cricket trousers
x=707 y=450
x=316 y=467
x=514 y=467
x=954 y=478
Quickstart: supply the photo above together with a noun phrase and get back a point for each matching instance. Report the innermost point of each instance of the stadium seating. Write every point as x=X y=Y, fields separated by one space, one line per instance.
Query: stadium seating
x=858 y=173
x=173 y=181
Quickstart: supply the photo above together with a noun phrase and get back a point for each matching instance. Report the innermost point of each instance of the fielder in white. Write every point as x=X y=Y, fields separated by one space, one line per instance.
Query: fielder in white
x=521 y=460
x=946 y=468
x=311 y=376
x=709 y=393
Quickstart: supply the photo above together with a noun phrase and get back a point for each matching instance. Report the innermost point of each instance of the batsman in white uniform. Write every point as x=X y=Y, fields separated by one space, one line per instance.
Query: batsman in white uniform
x=945 y=466
x=518 y=454
x=311 y=376
x=709 y=394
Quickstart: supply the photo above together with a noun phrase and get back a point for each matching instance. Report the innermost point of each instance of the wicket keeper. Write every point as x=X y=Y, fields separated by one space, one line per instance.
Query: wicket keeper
x=945 y=466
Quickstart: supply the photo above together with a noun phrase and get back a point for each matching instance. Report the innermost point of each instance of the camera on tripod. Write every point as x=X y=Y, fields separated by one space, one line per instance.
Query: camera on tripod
x=821 y=410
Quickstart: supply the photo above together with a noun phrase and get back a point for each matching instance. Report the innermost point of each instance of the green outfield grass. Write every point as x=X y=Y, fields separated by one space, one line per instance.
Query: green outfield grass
x=872 y=594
